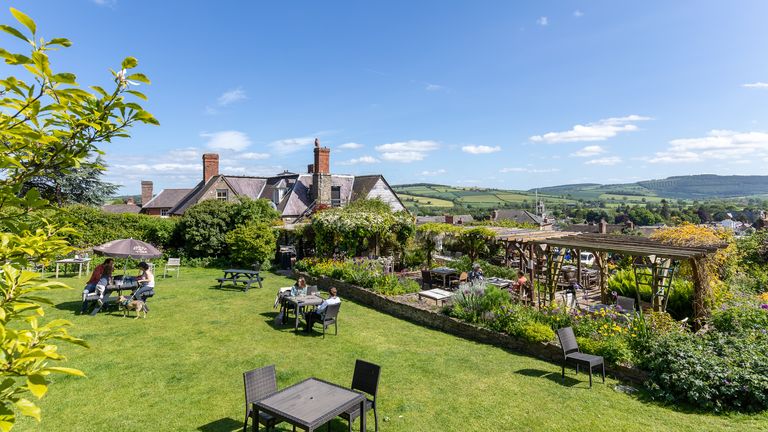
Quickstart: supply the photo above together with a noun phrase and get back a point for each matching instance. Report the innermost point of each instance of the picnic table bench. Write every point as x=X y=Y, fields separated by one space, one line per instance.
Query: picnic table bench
x=245 y=277
x=108 y=299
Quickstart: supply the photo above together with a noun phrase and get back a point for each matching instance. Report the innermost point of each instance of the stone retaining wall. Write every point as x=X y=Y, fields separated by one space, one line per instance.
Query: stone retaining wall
x=545 y=351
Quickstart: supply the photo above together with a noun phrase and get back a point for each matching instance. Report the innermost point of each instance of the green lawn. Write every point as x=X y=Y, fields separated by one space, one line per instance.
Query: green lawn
x=181 y=370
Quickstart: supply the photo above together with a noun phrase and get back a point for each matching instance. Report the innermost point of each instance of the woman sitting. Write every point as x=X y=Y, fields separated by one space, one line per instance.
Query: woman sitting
x=146 y=280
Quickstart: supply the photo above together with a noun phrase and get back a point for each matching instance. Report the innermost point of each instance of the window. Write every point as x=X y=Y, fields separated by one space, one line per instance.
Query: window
x=336 y=196
x=164 y=212
x=222 y=194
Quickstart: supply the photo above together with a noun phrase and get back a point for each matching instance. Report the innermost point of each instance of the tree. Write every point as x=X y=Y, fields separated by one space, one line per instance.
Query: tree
x=252 y=243
x=429 y=234
x=80 y=185
x=47 y=124
x=475 y=241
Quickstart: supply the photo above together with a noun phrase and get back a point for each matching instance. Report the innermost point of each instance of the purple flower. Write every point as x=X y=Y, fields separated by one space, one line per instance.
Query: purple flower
x=764 y=306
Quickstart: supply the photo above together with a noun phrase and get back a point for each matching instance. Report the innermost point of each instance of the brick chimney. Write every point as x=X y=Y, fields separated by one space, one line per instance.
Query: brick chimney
x=210 y=166
x=146 y=192
x=603 y=227
x=310 y=168
x=321 y=176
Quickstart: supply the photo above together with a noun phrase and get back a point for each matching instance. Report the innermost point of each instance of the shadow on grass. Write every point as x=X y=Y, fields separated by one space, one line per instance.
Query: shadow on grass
x=230 y=287
x=288 y=325
x=555 y=377
x=71 y=306
x=222 y=425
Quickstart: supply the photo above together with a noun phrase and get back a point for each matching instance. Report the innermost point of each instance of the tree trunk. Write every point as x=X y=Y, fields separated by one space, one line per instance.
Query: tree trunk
x=702 y=292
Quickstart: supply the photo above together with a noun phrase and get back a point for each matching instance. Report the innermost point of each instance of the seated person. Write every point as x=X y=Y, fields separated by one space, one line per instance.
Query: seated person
x=520 y=286
x=299 y=288
x=475 y=274
x=319 y=313
x=98 y=282
x=146 y=282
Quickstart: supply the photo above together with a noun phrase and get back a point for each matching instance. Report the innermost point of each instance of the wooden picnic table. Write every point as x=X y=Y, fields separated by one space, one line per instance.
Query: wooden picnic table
x=302 y=301
x=246 y=277
x=312 y=403
x=443 y=272
x=116 y=287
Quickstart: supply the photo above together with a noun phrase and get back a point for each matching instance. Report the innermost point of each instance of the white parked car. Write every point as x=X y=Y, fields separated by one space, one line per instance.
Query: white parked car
x=587 y=258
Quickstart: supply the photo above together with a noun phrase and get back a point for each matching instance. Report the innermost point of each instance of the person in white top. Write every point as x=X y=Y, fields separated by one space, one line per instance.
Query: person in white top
x=146 y=282
x=319 y=313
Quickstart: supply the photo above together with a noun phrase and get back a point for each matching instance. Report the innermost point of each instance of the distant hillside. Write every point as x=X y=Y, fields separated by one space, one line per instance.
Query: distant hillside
x=680 y=187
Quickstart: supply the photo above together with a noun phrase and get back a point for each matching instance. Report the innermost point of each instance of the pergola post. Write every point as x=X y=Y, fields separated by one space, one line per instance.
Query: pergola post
x=603 y=265
x=702 y=291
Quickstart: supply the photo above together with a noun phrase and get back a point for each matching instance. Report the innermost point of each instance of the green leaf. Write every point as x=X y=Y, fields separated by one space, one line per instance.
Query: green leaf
x=138 y=77
x=7 y=418
x=24 y=19
x=28 y=408
x=13 y=31
x=66 y=78
x=138 y=94
x=60 y=41
x=64 y=370
x=129 y=63
x=37 y=385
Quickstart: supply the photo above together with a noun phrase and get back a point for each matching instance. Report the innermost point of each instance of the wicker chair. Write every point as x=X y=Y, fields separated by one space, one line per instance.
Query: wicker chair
x=366 y=380
x=259 y=384
x=571 y=354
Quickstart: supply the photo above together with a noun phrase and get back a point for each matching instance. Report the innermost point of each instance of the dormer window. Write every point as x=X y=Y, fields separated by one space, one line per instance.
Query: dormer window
x=222 y=194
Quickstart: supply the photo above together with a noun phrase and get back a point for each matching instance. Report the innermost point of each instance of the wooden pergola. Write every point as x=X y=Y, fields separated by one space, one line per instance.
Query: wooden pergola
x=660 y=258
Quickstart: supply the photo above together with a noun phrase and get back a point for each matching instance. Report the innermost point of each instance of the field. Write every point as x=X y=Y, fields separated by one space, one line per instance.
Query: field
x=424 y=201
x=447 y=196
x=181 y=370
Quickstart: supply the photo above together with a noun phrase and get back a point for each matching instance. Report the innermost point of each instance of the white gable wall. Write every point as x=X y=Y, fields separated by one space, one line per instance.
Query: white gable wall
x=384 y=193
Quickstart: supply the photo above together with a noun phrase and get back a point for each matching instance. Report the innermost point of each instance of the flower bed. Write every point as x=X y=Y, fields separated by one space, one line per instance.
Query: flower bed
x=363 y=272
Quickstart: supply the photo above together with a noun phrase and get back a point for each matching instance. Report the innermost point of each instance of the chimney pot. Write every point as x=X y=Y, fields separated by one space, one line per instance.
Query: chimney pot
x=310 y=168
x=210 y=166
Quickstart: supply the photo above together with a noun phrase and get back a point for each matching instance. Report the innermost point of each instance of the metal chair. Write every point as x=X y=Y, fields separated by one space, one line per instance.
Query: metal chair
x=366 y=380
x=171 y=264
x=571 y=354
x=259 y=384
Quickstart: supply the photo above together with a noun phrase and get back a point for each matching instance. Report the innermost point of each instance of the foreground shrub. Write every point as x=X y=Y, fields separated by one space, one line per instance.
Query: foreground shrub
x=742 y=318
x=253 y=242
x=715 y=371
x=534 y=332
x=614 y=349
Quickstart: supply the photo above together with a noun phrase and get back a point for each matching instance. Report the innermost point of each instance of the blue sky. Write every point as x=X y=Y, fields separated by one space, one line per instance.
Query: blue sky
x=490 y=93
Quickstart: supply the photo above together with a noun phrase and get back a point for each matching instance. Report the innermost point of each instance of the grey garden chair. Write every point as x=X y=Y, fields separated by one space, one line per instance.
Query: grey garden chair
x=426 y=279
x=366 y=380
x=173 y=263
x=259 y=384
x=330 y=317
x=571 y=354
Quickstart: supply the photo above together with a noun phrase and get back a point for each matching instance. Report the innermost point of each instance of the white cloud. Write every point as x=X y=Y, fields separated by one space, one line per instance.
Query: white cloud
x=543 y=21
x=253 y=156
x=589 y=151
x=529 y=170
x=597 y=131
x=433 y=173
x=351 y=146
x=480 y=149
x=165 y=168
x=759 y=85
x=360 y=160
x=188 y=153
x=227 y=140
x=717 y=145
x=231 y=96
x=291 y=145
x=578 y=14
x=406 y=151
x=433 y=87
x=105 y=2
x=606 y=161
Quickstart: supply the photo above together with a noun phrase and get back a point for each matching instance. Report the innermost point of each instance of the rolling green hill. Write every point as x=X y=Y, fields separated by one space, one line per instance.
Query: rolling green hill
x=695 y=187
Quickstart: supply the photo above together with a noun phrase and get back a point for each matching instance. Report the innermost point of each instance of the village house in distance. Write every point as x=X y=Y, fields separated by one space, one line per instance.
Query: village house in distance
x=295 y=196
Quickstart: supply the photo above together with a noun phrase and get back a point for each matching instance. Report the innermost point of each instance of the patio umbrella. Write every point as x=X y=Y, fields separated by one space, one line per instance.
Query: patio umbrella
x=128 y=248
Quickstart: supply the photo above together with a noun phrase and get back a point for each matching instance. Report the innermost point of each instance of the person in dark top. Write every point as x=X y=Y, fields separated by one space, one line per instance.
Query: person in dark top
x=476 y=274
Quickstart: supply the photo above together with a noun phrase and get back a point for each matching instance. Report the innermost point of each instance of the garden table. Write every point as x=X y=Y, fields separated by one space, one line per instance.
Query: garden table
x=118 y=286
x=499 y=282
x=443 y=272
x=246 y=277
x=302 y=301
x=436 y=294
x=73 y=261
x=312 y=403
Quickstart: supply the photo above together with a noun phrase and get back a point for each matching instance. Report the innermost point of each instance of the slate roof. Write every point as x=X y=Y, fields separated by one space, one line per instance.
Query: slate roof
x=362 y=186
x=520 y=216
x=167 y=198
x=121 y=208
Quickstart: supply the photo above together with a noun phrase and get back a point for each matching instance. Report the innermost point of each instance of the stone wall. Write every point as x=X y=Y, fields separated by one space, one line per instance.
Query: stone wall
x=549 y=351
